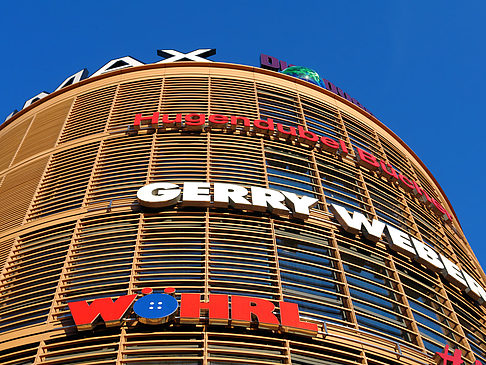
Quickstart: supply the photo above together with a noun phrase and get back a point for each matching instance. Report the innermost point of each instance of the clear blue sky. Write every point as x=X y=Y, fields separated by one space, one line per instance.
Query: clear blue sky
x=419 y=66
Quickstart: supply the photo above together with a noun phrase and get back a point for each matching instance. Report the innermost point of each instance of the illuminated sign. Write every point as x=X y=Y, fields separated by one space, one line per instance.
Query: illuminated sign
x=275 y=64
x=154 y=309
x=158 y=195
x=195 y=122
x=445 y=358
x=409 y=246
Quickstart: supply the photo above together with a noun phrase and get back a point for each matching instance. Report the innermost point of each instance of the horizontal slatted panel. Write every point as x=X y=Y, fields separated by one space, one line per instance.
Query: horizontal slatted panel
x=361 y=135
x=375 y=294
x=5 y=247
x=428 y=306
x=322 y=118
x=30 y=278
x=309 y=271
x=291 y=169
x=19 y=355
x=100 y=262
x=179 y=157
x=44 y=131
x=65 y=183
x=133 y=98
x=121 y=170
x=425 y=183
x=167 y=258
x=473 y=321
x=170 y=347
x=397 y=159
x=375 y=359
x=341 y=184
x=94 y=350
x=89 y=114
x=387 y=203
x=233 y=97
x=427 y=221
x=17 y=192
x=11 y=138
x=321 y=352
x=237 y=160
x=429 y=226
x=185 y=95
x=242 y=257
x=241 y=349
x=467 y=260
x=279 y=104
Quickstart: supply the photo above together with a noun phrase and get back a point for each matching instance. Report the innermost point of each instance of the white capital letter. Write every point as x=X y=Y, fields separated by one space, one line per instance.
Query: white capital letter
x=196 y=194
x=427 y=256
x=263 y=199
x=399 y=241
x=300 y=206
x=452 y=273
x=230 y=194
x=358 y=223
x=158 y=195
x=475 y=290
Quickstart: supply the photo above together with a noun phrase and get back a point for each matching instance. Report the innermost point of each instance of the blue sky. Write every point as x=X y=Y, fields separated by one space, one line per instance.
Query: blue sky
x=419 y=66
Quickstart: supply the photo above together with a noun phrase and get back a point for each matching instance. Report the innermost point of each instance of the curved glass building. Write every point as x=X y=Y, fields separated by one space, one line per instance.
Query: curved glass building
x=72 y=229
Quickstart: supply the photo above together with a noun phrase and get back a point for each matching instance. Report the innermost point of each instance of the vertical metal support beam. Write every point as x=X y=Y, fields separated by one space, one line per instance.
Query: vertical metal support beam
x=8 y=261
x=207 y=214
x=96 y=165
x=348 y=303
x=369 y=201
x=264 y=162
x=64 y=272
x=40 y=352
x=21 y=142
x=404 y=301
x=288 y=354
x=379 y=145
x=364 y=360
x=37 y=190
x=65 y=122
x=347 y=139
x=121 y=346
x=136 y=256
x=205 y=345
x=458 y=327
x=110 y=114
x=207 y=256
x=317 y=178
x=98 y=154
x=277 y=265
x=391 y=263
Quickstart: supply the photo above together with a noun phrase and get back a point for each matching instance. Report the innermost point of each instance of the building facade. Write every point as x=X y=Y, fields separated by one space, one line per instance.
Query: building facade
x=71 y=228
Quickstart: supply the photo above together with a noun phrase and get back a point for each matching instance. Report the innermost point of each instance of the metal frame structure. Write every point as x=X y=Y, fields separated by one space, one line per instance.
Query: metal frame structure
x=71 y=228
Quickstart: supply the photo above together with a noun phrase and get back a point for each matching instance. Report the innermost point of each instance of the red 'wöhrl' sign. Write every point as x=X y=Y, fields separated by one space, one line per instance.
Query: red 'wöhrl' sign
x=160 y=308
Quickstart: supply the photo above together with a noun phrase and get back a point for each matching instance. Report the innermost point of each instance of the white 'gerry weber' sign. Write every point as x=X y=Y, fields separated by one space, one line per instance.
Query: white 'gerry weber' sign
x=284 y=203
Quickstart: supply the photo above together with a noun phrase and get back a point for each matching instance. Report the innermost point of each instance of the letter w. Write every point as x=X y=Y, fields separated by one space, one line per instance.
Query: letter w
x=358 y=223
x=85 y=314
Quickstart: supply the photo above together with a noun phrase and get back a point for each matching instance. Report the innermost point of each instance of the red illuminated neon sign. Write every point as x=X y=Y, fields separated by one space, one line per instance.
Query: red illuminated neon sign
x=159 y=308
x=197 y=122
x=444 y=358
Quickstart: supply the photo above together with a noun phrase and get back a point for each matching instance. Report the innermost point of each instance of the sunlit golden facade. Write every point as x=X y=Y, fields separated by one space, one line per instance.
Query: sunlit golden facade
x=71 y=228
